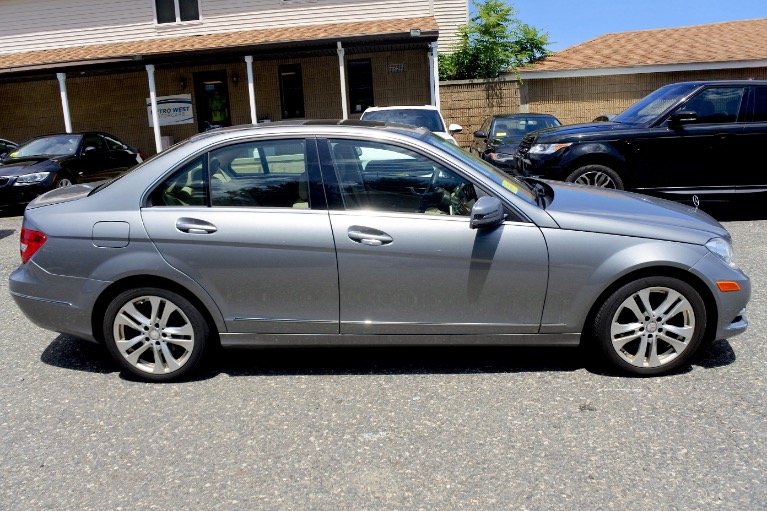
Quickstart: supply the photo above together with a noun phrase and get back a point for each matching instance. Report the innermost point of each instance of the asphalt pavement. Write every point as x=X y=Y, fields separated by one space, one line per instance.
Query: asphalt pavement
x=384 y=429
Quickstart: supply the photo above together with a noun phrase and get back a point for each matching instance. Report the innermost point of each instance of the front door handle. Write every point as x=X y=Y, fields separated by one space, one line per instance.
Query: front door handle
x=195 y=226
x=368 y=236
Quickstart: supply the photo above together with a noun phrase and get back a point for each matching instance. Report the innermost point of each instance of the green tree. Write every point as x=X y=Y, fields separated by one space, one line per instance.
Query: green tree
x=494 y=41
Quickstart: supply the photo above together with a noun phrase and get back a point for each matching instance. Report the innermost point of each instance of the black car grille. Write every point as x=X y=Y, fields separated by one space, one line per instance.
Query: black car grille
x=4 y=181
x=525 y=145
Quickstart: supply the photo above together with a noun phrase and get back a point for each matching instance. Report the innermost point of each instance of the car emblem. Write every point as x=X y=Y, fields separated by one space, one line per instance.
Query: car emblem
x=695 y=201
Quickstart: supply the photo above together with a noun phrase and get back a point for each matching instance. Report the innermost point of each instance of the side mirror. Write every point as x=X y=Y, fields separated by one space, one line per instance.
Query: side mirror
x=3 y=155
x=487 y=212
x=480 y=134
x=455 y=128
x=88 y=150
x=682 y=117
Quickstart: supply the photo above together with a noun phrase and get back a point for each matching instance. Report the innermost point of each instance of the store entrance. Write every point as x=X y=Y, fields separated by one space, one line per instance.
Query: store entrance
x=211 y=99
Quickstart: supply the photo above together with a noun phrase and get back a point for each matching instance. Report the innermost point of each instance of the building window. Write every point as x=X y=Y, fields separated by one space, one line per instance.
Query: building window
x=291 y=91
x=360 y=85
x=176 y=11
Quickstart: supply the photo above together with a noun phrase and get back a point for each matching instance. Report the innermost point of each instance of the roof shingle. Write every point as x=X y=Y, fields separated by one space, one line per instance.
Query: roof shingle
x=159 y=46
x=717 y=42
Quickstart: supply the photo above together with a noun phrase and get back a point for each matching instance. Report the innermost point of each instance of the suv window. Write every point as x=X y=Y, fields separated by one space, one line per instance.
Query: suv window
x=715 y=105
x=760 y=105
x=384 y=177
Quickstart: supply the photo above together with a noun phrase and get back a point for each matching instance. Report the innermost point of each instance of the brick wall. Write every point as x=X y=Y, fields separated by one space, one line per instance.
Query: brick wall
x=470 y=102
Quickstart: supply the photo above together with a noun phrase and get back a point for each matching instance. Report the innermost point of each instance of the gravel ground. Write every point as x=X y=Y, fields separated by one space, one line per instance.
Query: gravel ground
x=384 y=429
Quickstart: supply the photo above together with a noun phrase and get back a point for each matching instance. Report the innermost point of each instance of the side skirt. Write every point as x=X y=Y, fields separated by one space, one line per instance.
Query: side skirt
x=258 y=340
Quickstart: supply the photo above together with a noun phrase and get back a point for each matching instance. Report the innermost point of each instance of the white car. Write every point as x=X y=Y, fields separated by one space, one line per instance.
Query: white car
x=422 y=116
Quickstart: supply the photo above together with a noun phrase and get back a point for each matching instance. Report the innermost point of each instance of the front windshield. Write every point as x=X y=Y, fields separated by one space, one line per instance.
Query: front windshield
x=423 y=118
x=512 y=129
x=656 y=104
x=513 y=184
x=54 y=145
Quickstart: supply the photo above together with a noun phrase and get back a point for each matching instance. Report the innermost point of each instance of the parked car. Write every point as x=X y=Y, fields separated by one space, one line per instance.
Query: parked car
x=426 y=116
x=350 y=233
x=59 y=160
x=6 y=146
x=498 y=138
x=685 y=139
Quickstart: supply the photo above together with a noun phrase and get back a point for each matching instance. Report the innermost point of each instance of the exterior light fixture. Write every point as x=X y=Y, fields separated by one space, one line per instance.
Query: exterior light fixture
x=182 y=82
x=235 y=78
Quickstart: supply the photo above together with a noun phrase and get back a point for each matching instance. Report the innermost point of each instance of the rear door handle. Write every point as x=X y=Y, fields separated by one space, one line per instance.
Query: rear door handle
x=368 y=236
x=195 y=226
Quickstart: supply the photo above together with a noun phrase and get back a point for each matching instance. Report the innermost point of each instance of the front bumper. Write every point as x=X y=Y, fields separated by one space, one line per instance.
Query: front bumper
x=11 y=195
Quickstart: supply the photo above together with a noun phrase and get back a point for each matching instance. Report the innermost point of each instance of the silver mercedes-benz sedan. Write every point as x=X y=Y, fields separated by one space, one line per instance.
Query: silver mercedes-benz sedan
x=351 y=233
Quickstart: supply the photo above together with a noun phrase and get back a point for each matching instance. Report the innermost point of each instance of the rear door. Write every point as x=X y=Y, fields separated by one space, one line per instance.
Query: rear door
x=249 y=223
x=408 y=261
x=752 y=169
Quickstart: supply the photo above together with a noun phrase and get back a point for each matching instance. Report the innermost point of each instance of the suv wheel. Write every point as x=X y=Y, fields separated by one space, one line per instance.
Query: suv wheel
x=596 y=175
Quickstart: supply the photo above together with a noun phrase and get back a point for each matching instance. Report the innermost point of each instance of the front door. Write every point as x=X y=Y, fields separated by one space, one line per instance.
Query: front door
x=408 y=261
x=211 y=99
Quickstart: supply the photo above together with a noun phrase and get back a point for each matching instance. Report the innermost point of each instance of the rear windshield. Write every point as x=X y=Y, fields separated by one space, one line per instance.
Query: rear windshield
x=423 y=118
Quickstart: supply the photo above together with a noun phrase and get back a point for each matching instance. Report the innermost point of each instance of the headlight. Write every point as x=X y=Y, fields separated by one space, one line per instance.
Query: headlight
x=547 y=148
x=28 y=179
x=501 y=156
x=723 y=250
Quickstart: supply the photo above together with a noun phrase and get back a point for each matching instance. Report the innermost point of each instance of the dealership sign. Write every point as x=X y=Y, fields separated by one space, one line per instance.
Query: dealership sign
x=172 y=110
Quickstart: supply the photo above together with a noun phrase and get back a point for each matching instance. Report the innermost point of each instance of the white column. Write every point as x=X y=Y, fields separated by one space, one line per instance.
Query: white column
x=434 y=74
x=342 y=72
x=153 y=102
x=251 y=89
x=65 y=101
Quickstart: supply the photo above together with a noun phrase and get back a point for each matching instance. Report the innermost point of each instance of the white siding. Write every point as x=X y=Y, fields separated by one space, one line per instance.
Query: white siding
x=450 y=14
x=30 y=25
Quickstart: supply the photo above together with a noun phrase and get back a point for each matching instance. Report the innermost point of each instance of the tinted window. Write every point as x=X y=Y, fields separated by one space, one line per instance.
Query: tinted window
x=260 y=174
x=760 y=105
x=95 y=141
x=715 y=104
x=389 y=178
x=113 y=144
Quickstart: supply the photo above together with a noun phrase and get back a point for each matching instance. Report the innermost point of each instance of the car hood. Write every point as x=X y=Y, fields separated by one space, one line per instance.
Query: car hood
x=574 y=131
x=593 y=209
x=26 y=166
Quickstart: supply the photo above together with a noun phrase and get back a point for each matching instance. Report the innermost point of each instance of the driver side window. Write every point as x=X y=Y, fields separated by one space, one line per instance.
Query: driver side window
x=385 y=177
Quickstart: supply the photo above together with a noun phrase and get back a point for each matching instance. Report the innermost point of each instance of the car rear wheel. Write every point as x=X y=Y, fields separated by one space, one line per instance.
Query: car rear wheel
x=596 y=175
x=651 y=326
x=155 y=334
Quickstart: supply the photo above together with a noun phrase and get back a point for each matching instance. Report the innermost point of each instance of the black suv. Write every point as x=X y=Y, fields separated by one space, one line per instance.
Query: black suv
x=684 y=139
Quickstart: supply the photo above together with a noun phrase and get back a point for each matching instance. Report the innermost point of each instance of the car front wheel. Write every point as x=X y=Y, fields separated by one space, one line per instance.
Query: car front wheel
x=155 y=334
x=651 y=326
x=596 y=175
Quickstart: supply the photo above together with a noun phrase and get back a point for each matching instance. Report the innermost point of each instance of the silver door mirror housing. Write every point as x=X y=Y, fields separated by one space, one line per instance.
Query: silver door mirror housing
x=487 y=212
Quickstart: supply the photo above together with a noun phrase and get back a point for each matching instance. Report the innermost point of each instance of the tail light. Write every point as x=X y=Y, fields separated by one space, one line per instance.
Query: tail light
x=31 y=241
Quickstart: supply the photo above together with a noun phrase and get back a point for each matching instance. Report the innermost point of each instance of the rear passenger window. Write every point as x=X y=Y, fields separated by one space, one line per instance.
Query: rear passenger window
x=268 y=174
x=185 y=187
x=760 y=105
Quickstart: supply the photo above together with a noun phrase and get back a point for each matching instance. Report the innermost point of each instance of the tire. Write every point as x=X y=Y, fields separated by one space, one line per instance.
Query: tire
x=650 y=326
x=596 y=175
x=64 y=180
x=155 y=334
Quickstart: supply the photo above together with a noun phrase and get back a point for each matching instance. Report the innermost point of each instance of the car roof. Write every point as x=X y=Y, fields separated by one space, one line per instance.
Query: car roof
x=506 y=116
x=401 y=107
x=310 y=125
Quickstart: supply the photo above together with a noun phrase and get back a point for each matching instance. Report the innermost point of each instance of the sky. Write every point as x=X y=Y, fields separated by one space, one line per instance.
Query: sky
x=570 y=22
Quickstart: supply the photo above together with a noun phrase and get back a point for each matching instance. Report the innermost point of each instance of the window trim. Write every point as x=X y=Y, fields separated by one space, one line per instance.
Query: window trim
x=178 y=21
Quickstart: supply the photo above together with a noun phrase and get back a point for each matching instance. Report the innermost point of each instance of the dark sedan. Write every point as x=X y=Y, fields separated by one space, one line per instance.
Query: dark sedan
x=54 y=161
x=498 y=138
